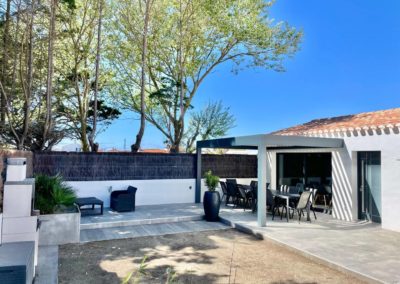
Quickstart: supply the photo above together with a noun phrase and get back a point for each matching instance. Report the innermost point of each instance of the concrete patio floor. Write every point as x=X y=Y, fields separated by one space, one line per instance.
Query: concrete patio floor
x=362 y=247
x=144 y=215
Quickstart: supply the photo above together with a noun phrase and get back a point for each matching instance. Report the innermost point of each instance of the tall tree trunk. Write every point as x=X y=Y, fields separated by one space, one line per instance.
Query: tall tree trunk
x=50 y=72
x=4 y=63
x=181 y=73
x=84 y=139
x=94 y=147
x=29 y=80
x=136 y=146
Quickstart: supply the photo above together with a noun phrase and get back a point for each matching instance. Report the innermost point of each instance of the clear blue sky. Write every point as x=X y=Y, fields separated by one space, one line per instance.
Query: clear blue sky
x=349 y=62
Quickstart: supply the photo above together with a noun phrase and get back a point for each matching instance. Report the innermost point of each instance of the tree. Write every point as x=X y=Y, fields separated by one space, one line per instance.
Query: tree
x=136 y=146
x=187 y=42
x=19 y=122
x=211 y=122
x=47 y=126
x=105 y=114
x=77 y=81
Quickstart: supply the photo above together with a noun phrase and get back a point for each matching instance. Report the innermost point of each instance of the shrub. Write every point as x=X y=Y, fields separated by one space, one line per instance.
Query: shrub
x=211 y=181
x=52 y=194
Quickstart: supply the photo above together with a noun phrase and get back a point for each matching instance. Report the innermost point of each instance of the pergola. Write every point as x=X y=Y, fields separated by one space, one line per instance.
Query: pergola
x=261 y=143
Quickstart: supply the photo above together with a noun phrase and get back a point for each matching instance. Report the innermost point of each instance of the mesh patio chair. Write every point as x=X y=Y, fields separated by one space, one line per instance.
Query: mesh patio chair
x=302 y=204
x=243 y=197
x=272 y=203
x=224 y=190
x=313 y=198
x=231 y=193
x=254 y=189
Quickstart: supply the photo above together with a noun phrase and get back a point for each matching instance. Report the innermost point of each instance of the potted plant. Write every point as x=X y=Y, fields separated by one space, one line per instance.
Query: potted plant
x=212 y=199
x=60 y=218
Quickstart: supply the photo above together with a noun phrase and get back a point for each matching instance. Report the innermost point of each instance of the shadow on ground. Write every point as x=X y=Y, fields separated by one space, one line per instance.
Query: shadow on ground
x=224 y=256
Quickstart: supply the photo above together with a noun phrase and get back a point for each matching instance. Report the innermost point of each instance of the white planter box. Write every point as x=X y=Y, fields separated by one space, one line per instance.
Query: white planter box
x=58 y=229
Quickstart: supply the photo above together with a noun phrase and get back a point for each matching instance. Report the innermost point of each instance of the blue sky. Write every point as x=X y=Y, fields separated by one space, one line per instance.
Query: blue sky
x=349 y=62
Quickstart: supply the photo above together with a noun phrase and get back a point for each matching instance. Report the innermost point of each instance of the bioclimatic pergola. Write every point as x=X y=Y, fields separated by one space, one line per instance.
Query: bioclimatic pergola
x=261 y=143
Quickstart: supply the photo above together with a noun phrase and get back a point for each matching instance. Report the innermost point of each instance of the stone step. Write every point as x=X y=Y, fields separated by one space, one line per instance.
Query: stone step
x=135 y=222
x=112 y=233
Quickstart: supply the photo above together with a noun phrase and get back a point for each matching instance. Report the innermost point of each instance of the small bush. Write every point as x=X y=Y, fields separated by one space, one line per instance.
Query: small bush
x=211 y=181
x=52 y=194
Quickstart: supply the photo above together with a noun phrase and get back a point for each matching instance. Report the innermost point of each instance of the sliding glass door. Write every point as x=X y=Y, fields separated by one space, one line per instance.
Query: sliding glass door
x=369 y=185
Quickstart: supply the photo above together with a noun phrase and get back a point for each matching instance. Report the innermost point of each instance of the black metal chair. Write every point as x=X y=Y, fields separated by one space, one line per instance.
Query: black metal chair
x=253 y=192
x=244 y=197
x=224 y=190
x=231 y=192
x=272 y=205
x=123 y=200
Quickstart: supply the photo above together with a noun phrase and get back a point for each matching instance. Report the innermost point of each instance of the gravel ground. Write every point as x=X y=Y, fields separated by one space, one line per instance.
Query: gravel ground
x=225 y=256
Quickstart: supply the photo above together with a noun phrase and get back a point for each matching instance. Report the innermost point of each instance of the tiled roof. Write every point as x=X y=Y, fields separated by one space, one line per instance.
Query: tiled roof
x=368 y=120
x=157 y=151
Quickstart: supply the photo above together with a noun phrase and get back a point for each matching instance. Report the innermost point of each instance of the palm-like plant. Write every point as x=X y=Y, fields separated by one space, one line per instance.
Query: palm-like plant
x=52 y=194
x=211 y=181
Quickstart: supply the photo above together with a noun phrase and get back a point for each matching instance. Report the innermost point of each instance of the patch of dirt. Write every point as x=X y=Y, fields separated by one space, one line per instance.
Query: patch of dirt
x=225 y=256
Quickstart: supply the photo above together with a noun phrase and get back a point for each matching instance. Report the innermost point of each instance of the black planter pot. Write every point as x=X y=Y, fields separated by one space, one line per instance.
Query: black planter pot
x=211 y=203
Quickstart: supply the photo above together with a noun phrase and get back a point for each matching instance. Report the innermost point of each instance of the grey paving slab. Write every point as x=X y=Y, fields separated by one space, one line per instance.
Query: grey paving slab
x=90 y=235
x=151 y=214
x=362 y=247
x=47 y=269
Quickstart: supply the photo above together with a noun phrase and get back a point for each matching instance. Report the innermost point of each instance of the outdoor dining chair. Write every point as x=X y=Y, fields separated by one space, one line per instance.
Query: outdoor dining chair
x=302 y=204
x=231 y=193
x=272 y=203
x=224 y=190
x=243 y=197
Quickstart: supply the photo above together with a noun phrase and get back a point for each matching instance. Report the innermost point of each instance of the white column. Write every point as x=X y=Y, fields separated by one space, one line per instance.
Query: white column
x=262 y=190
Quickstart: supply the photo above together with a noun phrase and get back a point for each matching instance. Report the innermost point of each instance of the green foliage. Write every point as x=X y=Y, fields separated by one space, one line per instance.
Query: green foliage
x=52 y=194
x=213 y=121
x=211 y=181
x=187 y=41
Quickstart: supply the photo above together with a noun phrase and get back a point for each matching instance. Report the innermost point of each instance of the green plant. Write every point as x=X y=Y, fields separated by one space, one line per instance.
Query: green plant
x=52 y=194
x=211 y=180
x=134 y=277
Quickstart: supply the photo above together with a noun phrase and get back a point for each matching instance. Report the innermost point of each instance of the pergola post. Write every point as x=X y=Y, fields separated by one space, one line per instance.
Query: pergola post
x=197 y=196
x=262 y=186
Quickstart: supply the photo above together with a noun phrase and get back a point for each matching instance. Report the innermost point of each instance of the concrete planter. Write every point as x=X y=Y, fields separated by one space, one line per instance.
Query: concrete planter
x=58 y=229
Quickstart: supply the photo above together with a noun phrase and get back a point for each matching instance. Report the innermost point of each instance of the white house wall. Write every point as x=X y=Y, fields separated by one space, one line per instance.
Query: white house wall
x=344 y=173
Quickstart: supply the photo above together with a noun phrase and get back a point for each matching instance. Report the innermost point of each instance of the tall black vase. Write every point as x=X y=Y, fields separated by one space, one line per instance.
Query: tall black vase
x=211 y=203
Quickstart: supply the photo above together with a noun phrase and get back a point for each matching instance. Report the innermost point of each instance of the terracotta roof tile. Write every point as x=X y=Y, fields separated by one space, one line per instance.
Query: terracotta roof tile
x=376 y=119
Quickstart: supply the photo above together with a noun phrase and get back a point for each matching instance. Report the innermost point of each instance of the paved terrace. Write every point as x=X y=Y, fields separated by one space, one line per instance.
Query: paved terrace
x=361 y=247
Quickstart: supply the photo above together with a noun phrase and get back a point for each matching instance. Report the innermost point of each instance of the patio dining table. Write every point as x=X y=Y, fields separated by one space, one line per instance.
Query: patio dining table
x=287 y=196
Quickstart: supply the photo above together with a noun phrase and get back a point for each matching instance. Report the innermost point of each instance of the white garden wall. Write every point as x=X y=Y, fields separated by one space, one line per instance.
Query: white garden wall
x=150 y=192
